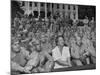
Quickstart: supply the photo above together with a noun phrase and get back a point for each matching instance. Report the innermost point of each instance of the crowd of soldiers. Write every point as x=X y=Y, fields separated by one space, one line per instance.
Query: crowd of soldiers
x=32 y=42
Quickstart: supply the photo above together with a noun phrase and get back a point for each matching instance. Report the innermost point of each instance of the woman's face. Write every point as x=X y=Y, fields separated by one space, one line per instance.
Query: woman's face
x=60 y=41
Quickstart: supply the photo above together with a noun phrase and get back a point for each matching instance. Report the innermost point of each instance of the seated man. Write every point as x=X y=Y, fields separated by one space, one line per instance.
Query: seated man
x=84 y=55
x=18 y=58
x=46 y=61
x=39 y=61
x=75 y=53
x=33 y=58
x=45 y=45
x=61 y=54
x=87 y=50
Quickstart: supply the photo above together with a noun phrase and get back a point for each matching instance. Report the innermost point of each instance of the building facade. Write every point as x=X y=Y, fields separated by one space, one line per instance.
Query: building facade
x=44 y=10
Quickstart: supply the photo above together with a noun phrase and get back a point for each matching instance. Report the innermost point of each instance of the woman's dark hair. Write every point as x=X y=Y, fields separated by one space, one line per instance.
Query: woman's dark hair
x=56 y=40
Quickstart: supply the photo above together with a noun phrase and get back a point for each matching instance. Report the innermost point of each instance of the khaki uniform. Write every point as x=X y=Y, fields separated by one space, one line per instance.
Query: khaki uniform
x=88 y=48
x=75 y=53
x=46 y=47
x=18 y=60
x=33 y=60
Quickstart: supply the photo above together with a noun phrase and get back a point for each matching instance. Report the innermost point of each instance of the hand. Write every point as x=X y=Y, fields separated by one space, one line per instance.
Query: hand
x=26 y=71
x=86 y=54
x=41 y=69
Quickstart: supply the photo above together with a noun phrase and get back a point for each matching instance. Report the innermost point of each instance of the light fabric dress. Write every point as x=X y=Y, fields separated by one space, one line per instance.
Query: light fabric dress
x=57 y=55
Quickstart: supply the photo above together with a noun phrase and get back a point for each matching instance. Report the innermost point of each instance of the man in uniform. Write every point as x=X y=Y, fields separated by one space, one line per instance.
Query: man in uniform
x=18 y=58
x=39 y=60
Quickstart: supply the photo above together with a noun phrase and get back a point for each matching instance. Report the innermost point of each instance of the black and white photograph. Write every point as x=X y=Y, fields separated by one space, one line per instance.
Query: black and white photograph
x=52 y=37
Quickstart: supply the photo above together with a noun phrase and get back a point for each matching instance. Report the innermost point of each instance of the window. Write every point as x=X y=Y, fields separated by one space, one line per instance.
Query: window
x=22 y=3
x=52 y=5
x=48 y=14
x=42 y=14
x=35 y=14
x=48 y=5
x=73 y=7
x=68 y=7
x=57 y=6
x=35 y=4
x=42 y=4
x=63 y=7
x=30 y=4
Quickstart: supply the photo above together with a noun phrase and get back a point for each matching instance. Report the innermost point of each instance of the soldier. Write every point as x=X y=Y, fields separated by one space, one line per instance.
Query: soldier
x=18 y=58
x=87 y=50
x=39 y=60
x=45 y=45
x=75 y=52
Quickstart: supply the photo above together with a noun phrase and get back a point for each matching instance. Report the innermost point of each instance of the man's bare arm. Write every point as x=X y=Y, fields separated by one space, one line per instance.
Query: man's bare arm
x=50 y=63
x=63 y=63
x=16 y=67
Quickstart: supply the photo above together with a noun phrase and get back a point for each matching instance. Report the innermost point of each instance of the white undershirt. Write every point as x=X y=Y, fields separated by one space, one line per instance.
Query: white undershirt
x=57 y=55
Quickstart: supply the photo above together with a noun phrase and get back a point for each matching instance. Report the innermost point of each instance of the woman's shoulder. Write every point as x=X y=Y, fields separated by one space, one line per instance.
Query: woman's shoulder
x=55 y=49
x=66 y=47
